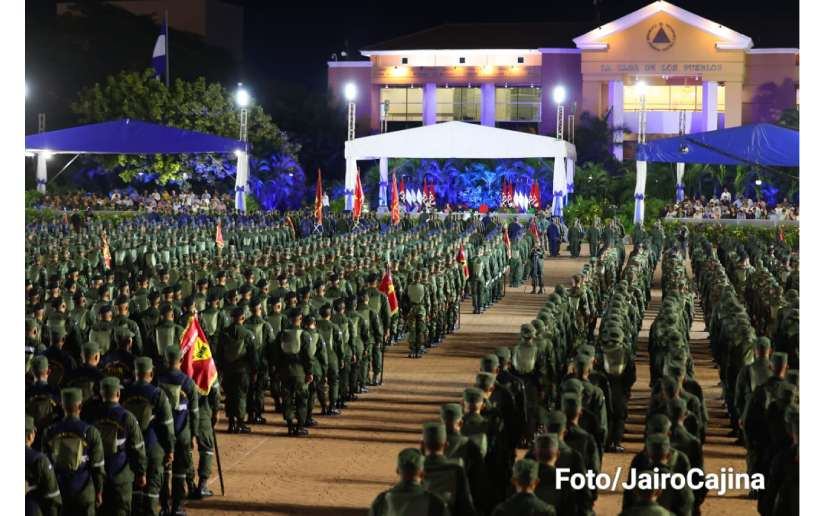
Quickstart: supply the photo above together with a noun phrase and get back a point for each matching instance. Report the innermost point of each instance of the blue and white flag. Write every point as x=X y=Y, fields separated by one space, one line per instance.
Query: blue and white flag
x=159 y=53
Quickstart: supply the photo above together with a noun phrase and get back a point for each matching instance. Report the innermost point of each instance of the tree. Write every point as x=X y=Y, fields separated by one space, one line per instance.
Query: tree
x=790 y=118
x=594 y=140
x=195 y=106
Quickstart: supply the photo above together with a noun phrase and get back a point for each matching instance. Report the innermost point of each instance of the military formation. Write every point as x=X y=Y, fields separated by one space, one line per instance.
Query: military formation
x=750 y=291
x=291 y=313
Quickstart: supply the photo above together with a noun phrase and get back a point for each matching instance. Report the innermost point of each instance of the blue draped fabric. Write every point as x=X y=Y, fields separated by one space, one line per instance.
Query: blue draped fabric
x=760 y=144
x=129 y=137
x=558 y=203
x=638 y=212
x=680 y=192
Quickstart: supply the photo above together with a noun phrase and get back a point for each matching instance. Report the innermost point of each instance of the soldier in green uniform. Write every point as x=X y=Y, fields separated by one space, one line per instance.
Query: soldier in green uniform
x=123 y=449
x=380 y=304
x=359 y=332
x=478 y=280
x=208 y=405
x=594 y=236
x=372 y=340
x=319 y=358
x=524 y=500
x=574 y=238
x=76 y=451
x=348 y=358
x=150 y=406
x=264 y=334
x=237 y=358
x=416 y=330
x=42 y=492
x=408 y=497
x=467 y=452
x=333 y=337
x=294 y=361
x=167 y=334
x=442 y=476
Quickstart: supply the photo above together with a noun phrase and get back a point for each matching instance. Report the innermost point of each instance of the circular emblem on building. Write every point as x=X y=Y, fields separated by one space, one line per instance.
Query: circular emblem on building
x=661 y=36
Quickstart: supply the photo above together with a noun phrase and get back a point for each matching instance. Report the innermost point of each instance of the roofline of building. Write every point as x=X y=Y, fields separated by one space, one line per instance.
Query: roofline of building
x=560 y=50
x=349 y=64
x=733 y=39
x=488 y=51
x=772 y=51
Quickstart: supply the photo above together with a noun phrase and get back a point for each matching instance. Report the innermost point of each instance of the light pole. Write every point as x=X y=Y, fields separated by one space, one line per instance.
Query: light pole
x=641 y=87
x=242 y=98
x=559 y=94
x=350 y=92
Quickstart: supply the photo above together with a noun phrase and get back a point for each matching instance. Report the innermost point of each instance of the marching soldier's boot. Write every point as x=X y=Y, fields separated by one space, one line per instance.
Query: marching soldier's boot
x=241 y=428
x=192 y=491
x=203 y=491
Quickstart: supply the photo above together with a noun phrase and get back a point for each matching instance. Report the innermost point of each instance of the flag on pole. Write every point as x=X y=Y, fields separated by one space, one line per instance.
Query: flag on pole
x=197 y=361
x=425 y=195
x=291 y=226
x=509 y=195
x=388 y=288
x=395 y=208
x=65 y=217
x=507 y=241
x=359 y=197
x=503 y=202
x=159 y=53
x=534 y=230
x=219 y=236
x=432 y=195
x=462 y=259
x=319 y=201
x=402 y=192
x=107 y=255
x=534 y=196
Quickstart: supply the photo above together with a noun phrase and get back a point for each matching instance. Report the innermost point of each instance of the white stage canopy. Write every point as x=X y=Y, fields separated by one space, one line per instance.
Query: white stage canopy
x=459 y=140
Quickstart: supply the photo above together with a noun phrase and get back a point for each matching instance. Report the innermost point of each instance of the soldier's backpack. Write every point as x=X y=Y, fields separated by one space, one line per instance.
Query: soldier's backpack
x=210 y=321
x=416 y=293
x=103 y=338
x=112 y=435
x=476 y=432
x=142 y=408
x=524 y=358
x=42 y=408
x=68 y=451
x=164 y=338
x=86 y=386
x=173 y=392
x=291 y=341
x=443 y=481
x=234 y=347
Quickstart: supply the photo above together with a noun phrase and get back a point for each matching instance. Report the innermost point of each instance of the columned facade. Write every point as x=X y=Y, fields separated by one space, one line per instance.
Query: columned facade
x=488 y=104
x=710 y=94
x=616 y=101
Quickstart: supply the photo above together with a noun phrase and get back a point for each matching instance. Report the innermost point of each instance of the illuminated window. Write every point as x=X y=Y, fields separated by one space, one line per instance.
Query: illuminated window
x=518 y=104
x=463 y=104
x=404 y=104
x=670 y=98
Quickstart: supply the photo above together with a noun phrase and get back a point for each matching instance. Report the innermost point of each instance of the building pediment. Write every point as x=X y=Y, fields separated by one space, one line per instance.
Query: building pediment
x=661 y=36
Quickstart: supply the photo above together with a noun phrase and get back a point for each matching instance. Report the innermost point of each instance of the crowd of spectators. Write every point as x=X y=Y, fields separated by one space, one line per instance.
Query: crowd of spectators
x=167 y=201
x=727 y=207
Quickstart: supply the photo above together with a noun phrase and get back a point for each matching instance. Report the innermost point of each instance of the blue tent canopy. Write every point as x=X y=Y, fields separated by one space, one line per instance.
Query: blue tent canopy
x=756 y=144
x=129 y=137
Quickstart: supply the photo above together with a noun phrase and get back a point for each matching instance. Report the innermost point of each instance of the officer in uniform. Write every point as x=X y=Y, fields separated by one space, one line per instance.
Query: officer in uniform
x=294 y=362
x=416 y=295
x=537 y=267
x=524 y=500
x=208 y=406
x=442 y=476
x=237 y=358
x=76 y=451
x=150 y=406
x=408 y=497
x=264 y=334
x=332 y=336
x=42 y=493
x=123 y=449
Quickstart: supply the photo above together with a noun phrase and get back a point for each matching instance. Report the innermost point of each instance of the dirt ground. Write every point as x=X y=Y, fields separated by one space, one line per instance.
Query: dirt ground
x=347 y=460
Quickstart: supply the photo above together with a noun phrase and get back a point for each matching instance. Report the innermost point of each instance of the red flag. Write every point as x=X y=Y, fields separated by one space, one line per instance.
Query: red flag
x=319 y=201
x=432 y=195
x=425 y=198
x=196 y=358
x=107 y=255
x=538 y=195
x=388 y=288
x=291 y=226
x=402 y=192
x=359 y=197
x=534 y=195
x=462 y=259
x=781 y=234
x=510 y=196
x=395 y=208
x=219 y=236
x=507 y=241
x=65 y=217
x=534 y=230
x=503 y=202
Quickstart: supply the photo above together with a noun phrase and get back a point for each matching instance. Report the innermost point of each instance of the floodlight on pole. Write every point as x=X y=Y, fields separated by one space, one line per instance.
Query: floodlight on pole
x=242 y=96
x=559 y=95
x=350 y=92
x=242 y=99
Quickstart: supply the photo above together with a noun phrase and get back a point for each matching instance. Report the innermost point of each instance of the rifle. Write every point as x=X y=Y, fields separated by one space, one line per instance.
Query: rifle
x=218 y=459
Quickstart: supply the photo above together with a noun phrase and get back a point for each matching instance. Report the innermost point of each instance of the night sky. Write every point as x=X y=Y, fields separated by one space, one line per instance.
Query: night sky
x=292 y=42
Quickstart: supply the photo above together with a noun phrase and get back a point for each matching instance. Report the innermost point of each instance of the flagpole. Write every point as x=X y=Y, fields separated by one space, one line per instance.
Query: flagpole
x=166 y=42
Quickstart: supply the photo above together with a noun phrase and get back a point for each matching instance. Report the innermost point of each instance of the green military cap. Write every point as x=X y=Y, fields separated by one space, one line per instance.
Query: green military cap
x=473 y=395
x=573 y=385
x=503 y=353
x=763 y=343
x=434 y=433
x=779 y=360
x=172 y=352
x=70 y=396
x=410 y=459
x=547 y=442
x=90 y=348
x=485 y=381
x=109 y=386
x=39 y=364
x=29 y=425
x=556 y=421
x=571 y=400
x=123 y=332
x=489 y=363
x=527 y=331
x=586 y=350
x=677 y=407
x=143 y=365
x=658 y=444
x=525 y=471
x=658 y=424
x=451 y=412
x=58 y=331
